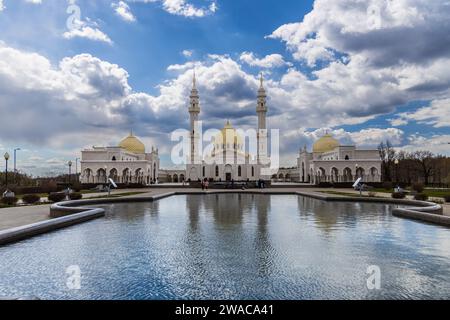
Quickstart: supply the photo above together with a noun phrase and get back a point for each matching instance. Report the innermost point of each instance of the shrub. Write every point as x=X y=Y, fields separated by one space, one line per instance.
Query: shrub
x=418 y=187
x=31 y=198
x=447 y=198
x=399 y=195
x=75 y=196
x=388 y=186
x=10 y=200
x=56 y=197
x=421 y=197
x=326 y=185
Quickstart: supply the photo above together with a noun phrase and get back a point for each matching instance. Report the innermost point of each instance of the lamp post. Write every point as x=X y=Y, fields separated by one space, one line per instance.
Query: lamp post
x=6 y=170
x=70 y=171
x=15 y=167
x=396 y=162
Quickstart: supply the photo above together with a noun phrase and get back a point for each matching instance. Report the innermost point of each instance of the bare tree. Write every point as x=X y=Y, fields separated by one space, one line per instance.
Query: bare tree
x=425 y=163
x=387 y=155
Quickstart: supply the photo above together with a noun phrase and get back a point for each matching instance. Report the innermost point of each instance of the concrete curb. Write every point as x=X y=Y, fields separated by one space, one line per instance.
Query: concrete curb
x=69 y=213
x=31 y=230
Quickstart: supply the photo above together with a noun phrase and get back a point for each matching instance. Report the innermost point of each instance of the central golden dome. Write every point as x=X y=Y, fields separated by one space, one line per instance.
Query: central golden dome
x=325 y=144
x=132 y=144
x=228 y=133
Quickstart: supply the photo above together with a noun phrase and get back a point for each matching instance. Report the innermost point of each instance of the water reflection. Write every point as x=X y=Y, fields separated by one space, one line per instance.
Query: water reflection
x=234 y=246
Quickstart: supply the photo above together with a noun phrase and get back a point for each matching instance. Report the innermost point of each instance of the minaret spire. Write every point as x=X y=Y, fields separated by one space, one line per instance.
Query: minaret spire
x=194 y=112
x=261 y=111
x=194 y=81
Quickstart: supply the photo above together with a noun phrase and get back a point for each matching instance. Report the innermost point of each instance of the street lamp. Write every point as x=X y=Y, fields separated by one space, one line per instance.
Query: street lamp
x=6 y=179
x=396 y=162
x=15 y=168
x=70 y=171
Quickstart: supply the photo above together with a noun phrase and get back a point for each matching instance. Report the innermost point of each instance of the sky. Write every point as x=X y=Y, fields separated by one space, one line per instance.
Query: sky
x=79 y=73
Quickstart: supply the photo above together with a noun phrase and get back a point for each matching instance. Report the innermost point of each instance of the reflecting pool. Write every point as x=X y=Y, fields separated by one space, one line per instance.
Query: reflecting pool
x=234 y=246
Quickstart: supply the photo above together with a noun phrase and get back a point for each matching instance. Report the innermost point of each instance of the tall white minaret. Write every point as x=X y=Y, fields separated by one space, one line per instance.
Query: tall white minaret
x=261 y=111
x=194 y=112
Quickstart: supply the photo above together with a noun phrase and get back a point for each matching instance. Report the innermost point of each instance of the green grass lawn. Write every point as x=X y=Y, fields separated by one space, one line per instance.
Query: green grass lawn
x=346 y=194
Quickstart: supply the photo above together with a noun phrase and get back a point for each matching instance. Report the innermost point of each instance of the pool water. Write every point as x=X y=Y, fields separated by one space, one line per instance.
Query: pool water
x=234 y=246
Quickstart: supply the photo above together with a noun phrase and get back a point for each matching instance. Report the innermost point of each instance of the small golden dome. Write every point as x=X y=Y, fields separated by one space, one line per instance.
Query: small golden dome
x=228 y=132
x=325 y=144
x=132 y=144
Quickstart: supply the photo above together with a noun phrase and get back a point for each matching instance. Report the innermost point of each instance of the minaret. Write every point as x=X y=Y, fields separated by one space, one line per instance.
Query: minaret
x=261 y=111
x=194 y=112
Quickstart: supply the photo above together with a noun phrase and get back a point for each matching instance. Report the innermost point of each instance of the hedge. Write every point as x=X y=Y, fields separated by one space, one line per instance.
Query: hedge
x=56 y=197
x=31 y=198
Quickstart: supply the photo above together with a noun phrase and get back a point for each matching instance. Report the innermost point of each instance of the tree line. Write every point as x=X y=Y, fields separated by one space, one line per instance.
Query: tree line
x=419 y=166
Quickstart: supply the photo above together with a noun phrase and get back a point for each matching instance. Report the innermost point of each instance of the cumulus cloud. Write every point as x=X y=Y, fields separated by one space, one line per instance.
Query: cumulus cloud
x=437 y=114
x=438 y=144
x=86 y=29
x=122 y=9
x=88 y=32
x=374 y=56
x=185 y=8
x=2 y=6
x=81 y=92
x=268 y=62
x=384 y=32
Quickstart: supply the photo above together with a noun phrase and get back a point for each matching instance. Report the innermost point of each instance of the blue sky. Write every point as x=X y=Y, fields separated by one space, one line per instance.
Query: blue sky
x=365 y=71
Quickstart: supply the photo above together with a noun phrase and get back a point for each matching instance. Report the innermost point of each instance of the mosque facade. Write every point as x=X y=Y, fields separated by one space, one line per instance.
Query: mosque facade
x=328 y=161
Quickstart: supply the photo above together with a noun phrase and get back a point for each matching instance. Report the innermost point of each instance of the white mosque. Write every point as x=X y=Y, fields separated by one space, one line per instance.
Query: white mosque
x=126 y=163
x=129 y=162
x=228 y=160
x=332 y=162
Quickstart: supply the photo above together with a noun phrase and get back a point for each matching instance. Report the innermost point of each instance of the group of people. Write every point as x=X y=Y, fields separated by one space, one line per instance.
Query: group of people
x=261 y=184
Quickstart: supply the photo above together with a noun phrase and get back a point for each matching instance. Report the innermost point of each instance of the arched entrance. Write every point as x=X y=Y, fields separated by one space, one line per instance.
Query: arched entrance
x=228 y=172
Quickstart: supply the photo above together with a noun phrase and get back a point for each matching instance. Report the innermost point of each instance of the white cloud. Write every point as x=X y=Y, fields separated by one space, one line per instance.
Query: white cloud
x=437 y=114
x=184 y=8
x=2 y=6
x=268 y=62
x=88 y=32
x=187 y=53
x=373 y=62
x=438 y=144
x=122 y=9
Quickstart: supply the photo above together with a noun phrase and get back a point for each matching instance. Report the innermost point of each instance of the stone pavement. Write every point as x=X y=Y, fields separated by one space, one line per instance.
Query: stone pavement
x=20 y=216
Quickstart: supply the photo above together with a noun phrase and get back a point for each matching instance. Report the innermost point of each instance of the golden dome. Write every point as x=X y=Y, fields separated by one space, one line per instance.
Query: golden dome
x=132 y=144
x=325 y=144
x=228 y=132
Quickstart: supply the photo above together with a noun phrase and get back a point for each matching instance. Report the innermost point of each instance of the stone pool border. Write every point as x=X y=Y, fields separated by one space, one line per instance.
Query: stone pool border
x=69 y=213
